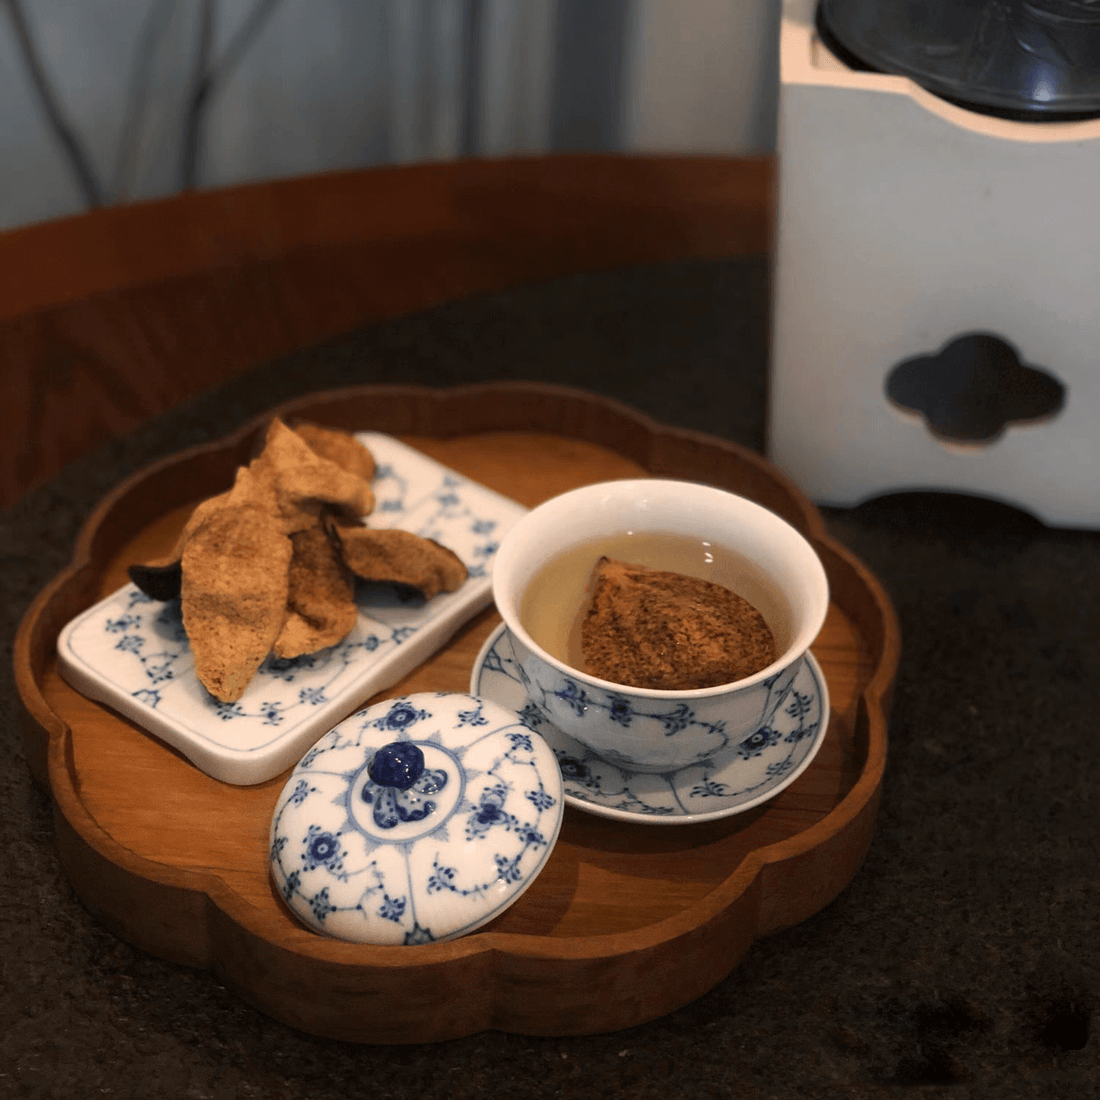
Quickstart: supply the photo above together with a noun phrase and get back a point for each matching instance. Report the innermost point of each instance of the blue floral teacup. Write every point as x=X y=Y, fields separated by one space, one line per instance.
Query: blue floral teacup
x=644 y=729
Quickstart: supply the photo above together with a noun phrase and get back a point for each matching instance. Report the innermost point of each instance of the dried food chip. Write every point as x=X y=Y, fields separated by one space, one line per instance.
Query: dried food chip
x=339 y=447
x=235 y=572
x=161 y=578
x=399 y=557
x=260 y=568
x=304 y=482
x=320 y=597
x=655 y=629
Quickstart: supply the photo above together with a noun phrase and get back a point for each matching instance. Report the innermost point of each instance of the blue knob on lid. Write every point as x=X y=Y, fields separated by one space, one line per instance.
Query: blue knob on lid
x=398 y=764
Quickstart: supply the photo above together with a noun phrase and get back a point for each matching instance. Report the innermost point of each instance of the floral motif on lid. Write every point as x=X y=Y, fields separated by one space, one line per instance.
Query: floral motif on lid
x=418 y=819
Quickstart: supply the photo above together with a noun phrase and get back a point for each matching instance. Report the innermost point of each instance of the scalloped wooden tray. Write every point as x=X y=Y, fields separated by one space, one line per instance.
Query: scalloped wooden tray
x=626 y=923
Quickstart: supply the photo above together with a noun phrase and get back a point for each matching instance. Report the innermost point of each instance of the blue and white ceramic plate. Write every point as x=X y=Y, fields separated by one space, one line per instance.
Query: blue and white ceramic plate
x=419 y=819
x=131 y=652
x=730 y=782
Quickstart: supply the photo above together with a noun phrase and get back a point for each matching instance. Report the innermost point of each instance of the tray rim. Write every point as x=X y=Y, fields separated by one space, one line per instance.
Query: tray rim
x=206 y=889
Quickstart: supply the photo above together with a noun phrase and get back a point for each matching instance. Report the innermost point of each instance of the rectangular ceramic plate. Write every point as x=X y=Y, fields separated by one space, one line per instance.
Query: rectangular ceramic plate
x=131 y=653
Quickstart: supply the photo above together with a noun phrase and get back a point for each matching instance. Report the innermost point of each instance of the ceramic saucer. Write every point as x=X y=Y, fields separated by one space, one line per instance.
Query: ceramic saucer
x=734 y=780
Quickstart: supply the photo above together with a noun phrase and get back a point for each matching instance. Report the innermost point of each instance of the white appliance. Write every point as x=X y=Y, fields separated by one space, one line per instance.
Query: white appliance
x=905 y=223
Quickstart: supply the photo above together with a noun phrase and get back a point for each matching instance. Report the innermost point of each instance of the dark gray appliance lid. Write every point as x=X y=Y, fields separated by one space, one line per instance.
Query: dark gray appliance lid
x=1033 y=60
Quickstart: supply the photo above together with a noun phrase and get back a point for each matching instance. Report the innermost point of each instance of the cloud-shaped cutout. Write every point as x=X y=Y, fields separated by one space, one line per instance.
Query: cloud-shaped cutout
x=973 y=388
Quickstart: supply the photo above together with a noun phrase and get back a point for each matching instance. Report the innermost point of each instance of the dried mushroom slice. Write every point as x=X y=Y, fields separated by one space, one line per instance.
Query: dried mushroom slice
x=320 y=599
x=159 y=579
x=339 y=447
x=234 y=595
x=305 y=483
x=655 y=629
x=162 y=577
x=399 y=557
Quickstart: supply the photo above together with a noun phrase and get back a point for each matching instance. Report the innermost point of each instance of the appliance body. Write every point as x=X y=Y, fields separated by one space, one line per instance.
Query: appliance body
x=904 y=224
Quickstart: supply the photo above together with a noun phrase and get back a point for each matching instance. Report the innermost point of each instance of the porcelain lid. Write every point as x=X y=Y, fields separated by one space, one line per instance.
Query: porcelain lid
x=418 y=819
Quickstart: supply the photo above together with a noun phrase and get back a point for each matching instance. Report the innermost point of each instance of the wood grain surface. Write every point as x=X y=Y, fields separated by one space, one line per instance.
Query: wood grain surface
x=113 y=317
x=625 y=923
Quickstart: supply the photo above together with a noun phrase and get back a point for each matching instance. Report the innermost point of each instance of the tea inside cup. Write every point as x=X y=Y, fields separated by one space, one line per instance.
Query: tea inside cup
x=540 y=579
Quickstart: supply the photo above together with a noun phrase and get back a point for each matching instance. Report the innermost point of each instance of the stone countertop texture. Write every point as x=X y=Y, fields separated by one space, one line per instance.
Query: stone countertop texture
x=964 y=958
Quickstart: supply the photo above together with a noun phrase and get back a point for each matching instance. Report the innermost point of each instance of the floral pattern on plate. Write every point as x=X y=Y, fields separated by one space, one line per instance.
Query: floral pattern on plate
x=734 y=780
x=131 y=652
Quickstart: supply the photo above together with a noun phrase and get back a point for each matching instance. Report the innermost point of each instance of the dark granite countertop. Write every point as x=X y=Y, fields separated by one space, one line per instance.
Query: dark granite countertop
x=964 y=958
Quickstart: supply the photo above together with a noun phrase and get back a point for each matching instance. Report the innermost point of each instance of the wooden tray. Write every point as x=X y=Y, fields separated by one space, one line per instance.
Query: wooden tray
x=626 y=923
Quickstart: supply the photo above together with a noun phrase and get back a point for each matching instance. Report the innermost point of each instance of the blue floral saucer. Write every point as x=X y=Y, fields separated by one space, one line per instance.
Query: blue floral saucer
x=418 y=819
x=734 y=780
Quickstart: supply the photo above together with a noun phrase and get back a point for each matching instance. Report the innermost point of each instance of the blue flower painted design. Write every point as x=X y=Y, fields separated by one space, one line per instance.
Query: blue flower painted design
x=531 y=836
x=298 y=795
x=271 y=713
x=392 y=908
x=620 y=710
x=573 y=696
x=149 y=696
x=472 y=717
x=310 y=757
x=321 y=906
x=540 y=799
x=800 y=704
x=531 y=716
x=488 y=813
x=130 y=643
x=757 y=742
x=801 y=731
x=677 y=720
x=572 y=768
x=709 y=789
x=315 y=696
x=521 y=742
x=322 y=849
x=400 y=716
x=508 y=868
x=160 y=672
x=122 y=623
x=441 y=878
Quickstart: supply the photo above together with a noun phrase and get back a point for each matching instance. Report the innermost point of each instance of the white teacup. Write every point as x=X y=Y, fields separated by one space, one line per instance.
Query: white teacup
x=643 y=729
